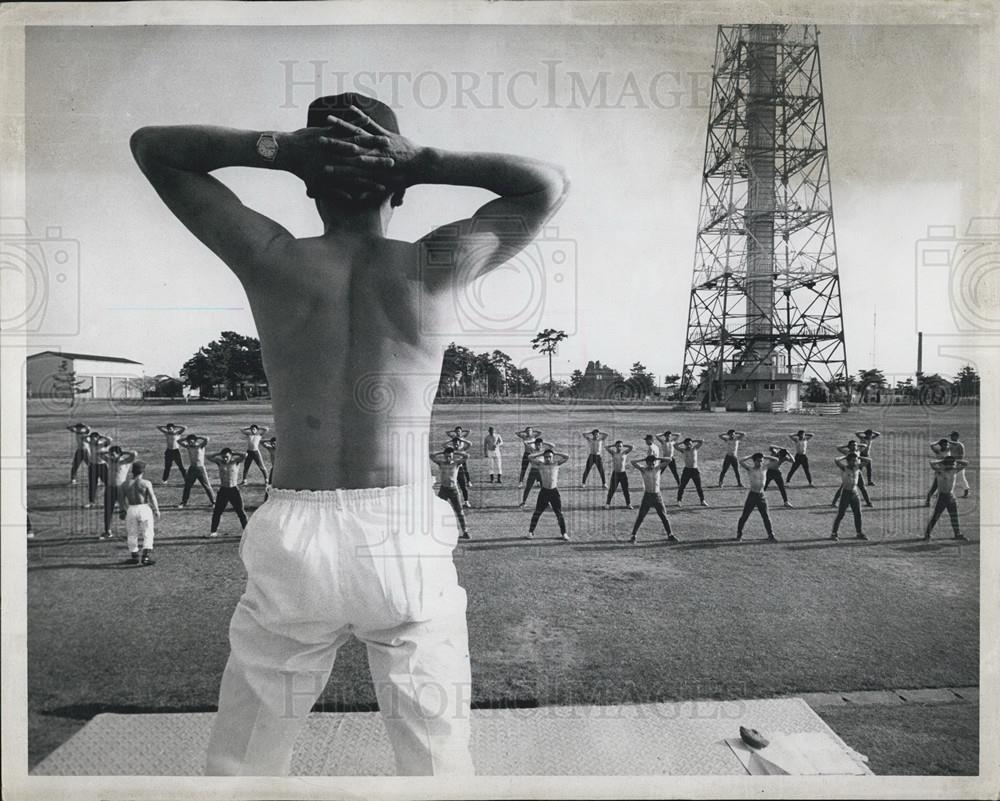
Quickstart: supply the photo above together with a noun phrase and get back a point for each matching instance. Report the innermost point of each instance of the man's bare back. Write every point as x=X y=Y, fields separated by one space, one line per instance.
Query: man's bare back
x=351 y=371
x=342 y=317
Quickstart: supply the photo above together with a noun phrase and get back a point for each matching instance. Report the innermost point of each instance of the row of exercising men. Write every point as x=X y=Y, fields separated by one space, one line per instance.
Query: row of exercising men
x=854 y=463
x=110 y=464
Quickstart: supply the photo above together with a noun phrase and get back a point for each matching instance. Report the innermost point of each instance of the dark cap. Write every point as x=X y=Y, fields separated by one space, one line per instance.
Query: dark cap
x=340 y=106
x=138 y=468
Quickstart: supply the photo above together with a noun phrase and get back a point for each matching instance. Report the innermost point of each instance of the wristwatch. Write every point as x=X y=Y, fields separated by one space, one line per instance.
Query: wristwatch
x=267 y=147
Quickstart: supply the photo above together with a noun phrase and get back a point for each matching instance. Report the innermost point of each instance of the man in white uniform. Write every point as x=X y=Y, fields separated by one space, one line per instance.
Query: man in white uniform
x=491 y=450
x=140 y=510
x=351 y=539
x=956 y=449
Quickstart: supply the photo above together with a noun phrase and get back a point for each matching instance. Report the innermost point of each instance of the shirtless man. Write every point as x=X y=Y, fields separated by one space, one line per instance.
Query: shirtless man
x=946 y=471
x=463 y=446
x=547 y=464
x=140 y=510
x=195 y=446
x=757 y=466
x=254 y=434
x=229 y=487
x=956 y=449
x=732 y=438
x=333 y=311
x=270 y=447
x=81 y=454
x=172 y=454
x=595 y=441
x=652 y=449
x=940 y=448
x=118 y=464
x=866 y=438
x=537 y=447
x=668 y=439
x=491 y=451
x=689 y=447
x=850 y=467
x=619 y=476
x=801 y=439
x=97 y=468
x=527 y=437
x=852 y=448
x=781 y=455
x=651 y=468
x=449 y=464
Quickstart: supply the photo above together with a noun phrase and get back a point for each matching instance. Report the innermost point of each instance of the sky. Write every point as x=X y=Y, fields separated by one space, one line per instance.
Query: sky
x=613 y=269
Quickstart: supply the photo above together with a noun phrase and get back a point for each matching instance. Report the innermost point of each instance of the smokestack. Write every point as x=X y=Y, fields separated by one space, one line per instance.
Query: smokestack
x=920 y=353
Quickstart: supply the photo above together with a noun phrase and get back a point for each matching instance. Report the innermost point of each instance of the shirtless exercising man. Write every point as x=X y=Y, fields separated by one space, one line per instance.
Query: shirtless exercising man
x=332 y=312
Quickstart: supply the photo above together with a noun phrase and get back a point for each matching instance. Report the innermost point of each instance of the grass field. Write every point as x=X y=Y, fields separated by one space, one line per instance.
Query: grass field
x=594 y=620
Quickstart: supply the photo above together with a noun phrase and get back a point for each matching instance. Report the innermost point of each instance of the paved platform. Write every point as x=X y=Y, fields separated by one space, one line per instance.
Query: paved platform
x=683 y=738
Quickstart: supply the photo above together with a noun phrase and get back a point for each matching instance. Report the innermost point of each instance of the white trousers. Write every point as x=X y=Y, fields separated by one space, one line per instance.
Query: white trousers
x=375 y=563
x=139 y=521
x=494 y=459
x=961 y=480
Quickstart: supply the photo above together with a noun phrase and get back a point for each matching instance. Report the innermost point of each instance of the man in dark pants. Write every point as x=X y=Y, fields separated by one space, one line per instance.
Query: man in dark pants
x=196 y=471
x=595 y=441
x=537 y=447
x=801 y=439
x=689 y=447
x=619 y=477
x=527 y=437
x=229 y=488
x=97 y=468
x=852 y=449
x=850 y=467
x=774 y=472
x=651 y=468
x=449 y=468
x=80 y=455
x=172 y=454
x=732 y=438
x=668 y=439
x=547 y=464
x=946 y=472
x=117 y=464
x=757 y=466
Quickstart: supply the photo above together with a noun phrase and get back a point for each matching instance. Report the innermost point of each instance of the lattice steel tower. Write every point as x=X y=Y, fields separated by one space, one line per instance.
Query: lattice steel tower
x=765 y=297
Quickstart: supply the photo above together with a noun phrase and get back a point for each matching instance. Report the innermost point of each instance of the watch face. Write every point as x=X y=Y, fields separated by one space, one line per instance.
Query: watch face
x=267 y=147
